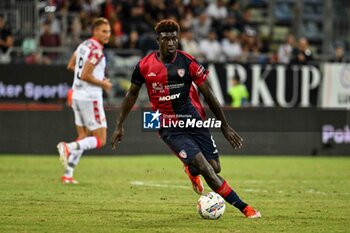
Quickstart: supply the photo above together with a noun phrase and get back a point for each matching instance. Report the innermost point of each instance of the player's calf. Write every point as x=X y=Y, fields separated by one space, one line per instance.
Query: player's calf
x=231 y=197
x=87 y=143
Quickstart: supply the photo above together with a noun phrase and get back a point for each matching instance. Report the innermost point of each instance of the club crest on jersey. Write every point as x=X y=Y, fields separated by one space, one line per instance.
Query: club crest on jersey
x=181 y=72
x=93 y=60
x=183 y=154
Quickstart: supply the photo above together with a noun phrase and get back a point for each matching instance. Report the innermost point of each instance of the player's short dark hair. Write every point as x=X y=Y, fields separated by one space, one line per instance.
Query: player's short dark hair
x=99 y=21
x=167 y=25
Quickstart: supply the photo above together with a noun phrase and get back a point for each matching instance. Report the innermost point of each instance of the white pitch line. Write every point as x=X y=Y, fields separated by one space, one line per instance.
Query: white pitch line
x=255 y=190
x=159 y=185
x=151 y=184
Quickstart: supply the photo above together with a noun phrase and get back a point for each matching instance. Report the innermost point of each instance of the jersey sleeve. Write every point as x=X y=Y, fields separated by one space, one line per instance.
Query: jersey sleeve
x=198 y=72
x=137 y=77
x=95 y=56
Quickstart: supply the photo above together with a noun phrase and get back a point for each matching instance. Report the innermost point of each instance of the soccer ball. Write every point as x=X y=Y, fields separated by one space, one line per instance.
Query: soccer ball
x=211 y=206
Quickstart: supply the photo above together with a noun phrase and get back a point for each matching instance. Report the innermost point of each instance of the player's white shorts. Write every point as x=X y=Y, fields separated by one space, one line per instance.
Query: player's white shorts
x=89 y=114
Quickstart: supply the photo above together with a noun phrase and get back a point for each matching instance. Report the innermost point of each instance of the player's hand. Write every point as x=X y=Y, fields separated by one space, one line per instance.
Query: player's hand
x=107 y=85
x=232 y=136
x=117 y=137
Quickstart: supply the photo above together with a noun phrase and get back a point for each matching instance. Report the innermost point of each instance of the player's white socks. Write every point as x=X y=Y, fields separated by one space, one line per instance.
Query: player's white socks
x=74 y=157
x=76 y=150
x=87 y=143
x=73 y=161
x=72 y=146
x=69 y=171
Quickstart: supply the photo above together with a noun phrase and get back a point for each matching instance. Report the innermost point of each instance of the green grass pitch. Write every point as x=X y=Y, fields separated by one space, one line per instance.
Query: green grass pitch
x=153 y=194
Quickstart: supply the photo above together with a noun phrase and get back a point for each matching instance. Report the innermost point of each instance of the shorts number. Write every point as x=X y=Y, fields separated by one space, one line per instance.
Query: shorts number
x=212 y=139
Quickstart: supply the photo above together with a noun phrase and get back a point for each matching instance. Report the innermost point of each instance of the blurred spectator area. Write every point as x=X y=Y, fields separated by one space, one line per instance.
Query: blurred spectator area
x=48 y=31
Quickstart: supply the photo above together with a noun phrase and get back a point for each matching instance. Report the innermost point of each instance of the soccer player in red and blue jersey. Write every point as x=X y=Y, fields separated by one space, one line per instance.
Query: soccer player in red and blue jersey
x=170 y=76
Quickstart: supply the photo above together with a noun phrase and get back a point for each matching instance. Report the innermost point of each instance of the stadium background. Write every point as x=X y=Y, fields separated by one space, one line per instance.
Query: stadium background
x=295 y=107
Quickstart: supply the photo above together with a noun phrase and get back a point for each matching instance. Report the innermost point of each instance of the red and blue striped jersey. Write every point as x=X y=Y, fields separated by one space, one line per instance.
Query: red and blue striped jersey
x=170 y=86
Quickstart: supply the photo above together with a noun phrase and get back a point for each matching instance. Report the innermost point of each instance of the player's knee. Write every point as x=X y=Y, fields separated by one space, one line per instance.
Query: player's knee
x=101 y=137
x=217 y=169
x=203 y=166
x=101 y=141
x=216 y=166
x=208 y=171
x=81 y=135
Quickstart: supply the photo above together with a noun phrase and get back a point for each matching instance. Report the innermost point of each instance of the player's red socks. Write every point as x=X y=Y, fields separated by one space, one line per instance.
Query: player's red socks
x=230 y=196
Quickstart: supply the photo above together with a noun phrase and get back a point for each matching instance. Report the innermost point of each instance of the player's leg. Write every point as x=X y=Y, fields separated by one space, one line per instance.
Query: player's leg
x=215 y=163
x=101 y=134
x=62 y=148
x=94 y=120
x=220 y=186
x=208 y=163
x=91 y=127
x=95 y=141
x=207 y=145
x=184 y=148
x=85 y=142
x=74 y=157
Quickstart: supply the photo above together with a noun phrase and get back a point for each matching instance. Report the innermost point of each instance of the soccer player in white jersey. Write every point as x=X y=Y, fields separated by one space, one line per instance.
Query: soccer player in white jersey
x=88 y=63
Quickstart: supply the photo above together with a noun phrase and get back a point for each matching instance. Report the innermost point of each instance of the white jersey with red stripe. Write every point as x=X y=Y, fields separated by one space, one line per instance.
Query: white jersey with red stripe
x=88 y=51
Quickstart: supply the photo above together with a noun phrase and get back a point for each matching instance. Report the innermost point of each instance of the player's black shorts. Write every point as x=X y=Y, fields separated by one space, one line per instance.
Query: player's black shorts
x=186 y=143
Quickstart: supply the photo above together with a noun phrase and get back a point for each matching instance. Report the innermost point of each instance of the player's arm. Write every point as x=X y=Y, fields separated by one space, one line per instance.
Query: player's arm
x=214 y=105
x=87 y=76
x=127 y=104
x=71 y=63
